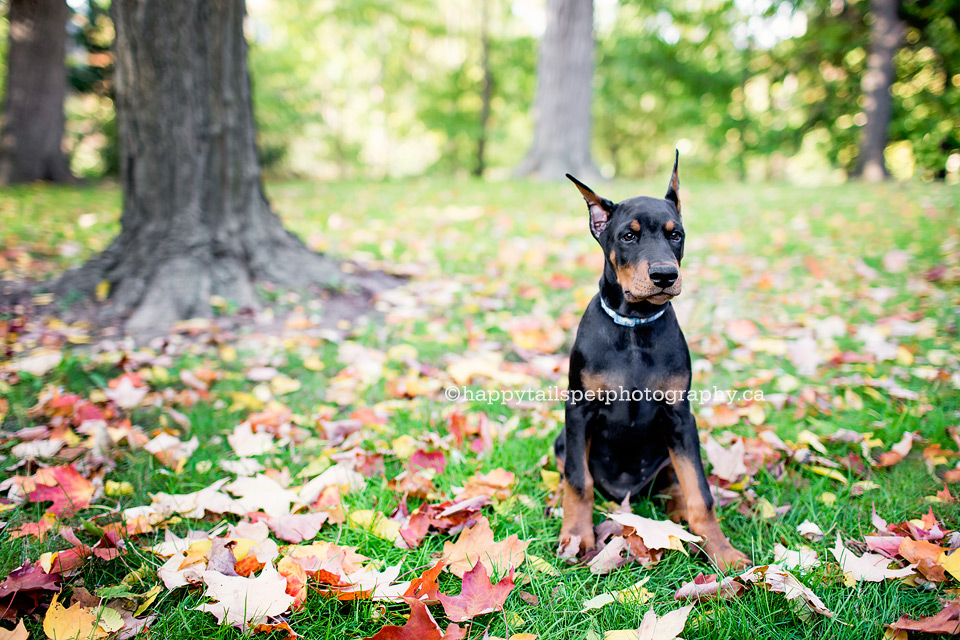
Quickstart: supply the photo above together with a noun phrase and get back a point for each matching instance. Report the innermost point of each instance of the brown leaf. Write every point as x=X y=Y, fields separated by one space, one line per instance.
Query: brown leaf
x=945 y=622
x=708 y=587
x=478 y=595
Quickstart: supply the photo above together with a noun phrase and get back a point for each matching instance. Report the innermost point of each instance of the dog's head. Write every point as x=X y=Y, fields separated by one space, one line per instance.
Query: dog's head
x=642 y=240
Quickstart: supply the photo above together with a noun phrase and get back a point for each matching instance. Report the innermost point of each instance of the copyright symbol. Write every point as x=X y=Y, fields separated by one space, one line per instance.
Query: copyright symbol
x=452 y=393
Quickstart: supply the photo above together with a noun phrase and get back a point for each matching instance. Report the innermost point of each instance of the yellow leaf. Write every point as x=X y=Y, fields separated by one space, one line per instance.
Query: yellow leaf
x=114 y=488
x=149 y=597
x=313 y=363
x=376 y=523
x=950 y=563
x=46 y=561
x=103 y=290
x=541 y=565
x=833 y=474
x=404 y=446
x=109 y=621
x=811 y=439
x=620 y=634
x=828 y=498
x=551 y=479
x=75 y=622
x=228 y=353
x=765 y=509
x=282 y=385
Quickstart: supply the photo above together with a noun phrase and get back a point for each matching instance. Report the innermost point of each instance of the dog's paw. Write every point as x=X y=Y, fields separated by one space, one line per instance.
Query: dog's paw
x=575 y=541
x=729 y=559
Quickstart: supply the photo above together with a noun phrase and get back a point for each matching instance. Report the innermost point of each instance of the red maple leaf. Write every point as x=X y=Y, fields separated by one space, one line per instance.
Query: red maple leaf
x=478 y=595
x=420 y=626
x=64 y=487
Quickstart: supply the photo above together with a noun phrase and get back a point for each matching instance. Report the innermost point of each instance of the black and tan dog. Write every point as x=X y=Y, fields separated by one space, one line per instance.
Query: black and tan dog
x=637 y=435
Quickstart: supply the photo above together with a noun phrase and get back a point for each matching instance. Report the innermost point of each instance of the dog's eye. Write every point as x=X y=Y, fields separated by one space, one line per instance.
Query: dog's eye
x=676 y=236
x=629 y=236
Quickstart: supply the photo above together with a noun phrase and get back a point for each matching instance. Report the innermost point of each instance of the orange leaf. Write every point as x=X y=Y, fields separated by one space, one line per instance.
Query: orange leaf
x=915 y=550
x=476 y=544
x=426 y=586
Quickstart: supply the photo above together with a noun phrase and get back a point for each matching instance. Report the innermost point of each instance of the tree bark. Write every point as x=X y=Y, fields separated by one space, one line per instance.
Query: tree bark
x=561 y=139
x=885 y=34
x=31 y=127
x=486 y=95
x=195 y=220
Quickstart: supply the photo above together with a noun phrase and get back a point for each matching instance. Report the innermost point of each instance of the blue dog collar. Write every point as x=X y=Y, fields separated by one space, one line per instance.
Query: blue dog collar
x=624 y=321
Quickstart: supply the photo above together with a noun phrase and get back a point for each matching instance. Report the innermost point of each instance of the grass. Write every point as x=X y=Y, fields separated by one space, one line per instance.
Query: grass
x=785 y=257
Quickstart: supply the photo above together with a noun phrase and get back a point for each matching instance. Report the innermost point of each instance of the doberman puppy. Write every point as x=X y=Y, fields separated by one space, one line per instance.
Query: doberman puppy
x=637 y=433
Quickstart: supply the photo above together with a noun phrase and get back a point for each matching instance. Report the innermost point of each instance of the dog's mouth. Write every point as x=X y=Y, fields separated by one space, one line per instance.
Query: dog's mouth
x=661 y=297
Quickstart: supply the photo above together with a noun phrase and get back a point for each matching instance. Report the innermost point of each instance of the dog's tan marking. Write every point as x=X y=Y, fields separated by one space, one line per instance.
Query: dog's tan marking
x=635 y=225
x=613 y=258
x=703 y=521
x=674 y=386
x=669 y=226
x=578 y=508
x=600 y=380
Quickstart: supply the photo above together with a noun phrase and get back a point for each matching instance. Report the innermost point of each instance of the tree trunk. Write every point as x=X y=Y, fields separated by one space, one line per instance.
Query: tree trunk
x=31 y=127
x=561 y=139
x=195 y=219
x=487 y=91
x=885 y=34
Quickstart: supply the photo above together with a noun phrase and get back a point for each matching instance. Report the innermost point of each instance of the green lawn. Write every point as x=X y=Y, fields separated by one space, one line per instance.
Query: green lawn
x=795 y=261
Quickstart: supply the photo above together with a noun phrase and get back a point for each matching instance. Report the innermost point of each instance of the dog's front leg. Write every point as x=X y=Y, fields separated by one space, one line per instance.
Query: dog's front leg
x=577 y=481
x=698 y=504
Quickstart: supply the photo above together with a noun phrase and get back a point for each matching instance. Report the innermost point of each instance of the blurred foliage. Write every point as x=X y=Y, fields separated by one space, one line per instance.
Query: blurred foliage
x=745 y=88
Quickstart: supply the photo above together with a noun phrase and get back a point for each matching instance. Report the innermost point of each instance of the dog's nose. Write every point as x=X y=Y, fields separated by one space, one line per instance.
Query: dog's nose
x=663 y=275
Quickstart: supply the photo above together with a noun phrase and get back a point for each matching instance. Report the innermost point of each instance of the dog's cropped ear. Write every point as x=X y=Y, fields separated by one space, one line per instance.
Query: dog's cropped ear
x=673 y=190
x=600 y=208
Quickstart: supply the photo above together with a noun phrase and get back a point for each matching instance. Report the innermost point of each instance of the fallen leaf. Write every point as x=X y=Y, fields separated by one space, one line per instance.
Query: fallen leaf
x=803 y=558
x=810 y=530
x=656 y=534
x=708 y=587
x=610 y=557
x=420 y=626
x=242 y=601
x=870 y=567
x=477 y=544
x=478 y=595
x=776 y=579
x=726 y=464
x=635 y=594
x=666 y=627
x=19 y=632
x=898 y=452
x=68 y=623
x=947 y=621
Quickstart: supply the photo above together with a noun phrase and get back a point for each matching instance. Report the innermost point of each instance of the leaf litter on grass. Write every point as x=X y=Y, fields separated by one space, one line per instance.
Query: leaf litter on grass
x=327 y=461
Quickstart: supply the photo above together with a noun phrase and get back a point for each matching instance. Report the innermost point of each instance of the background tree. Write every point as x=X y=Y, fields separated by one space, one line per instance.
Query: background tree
x=195 y=221
x=885 y=34
x=32 y=122
x=561 y=138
